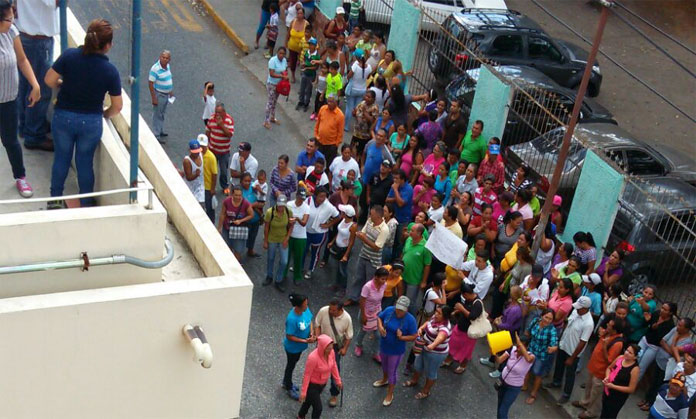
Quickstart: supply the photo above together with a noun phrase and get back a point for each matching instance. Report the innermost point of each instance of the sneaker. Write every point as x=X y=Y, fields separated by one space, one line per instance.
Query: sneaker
x=267 y=281
x=313 y=116
x=57 y=204
x=267 y=55
x=294 y=394
x=377 y=358
x=308 y=275
x=291 y=269
x=358 y=351
x=24 y=188
x=487 y=362
x=294 y=386
x=494 y=374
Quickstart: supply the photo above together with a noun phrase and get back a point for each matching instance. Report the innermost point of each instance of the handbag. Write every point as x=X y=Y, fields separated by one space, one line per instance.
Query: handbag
x=283 y=88
x=349 y=88
x=480 y=326
x=238 y=232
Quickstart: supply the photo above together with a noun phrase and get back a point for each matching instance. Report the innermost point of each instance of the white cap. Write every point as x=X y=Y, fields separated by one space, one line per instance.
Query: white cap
x=340 y=10
x=582 y=302
x=203 y=140
x=347 y=209
x=592 y=278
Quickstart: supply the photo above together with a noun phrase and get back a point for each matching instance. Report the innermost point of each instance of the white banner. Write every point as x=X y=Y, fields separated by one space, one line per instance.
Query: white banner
x=447 y=247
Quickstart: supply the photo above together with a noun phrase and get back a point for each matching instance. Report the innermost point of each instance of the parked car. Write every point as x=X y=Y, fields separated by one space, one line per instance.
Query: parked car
x=662 y=249
x=508 y=38
x=635 y=157
x=526 y=122
x=380 y=11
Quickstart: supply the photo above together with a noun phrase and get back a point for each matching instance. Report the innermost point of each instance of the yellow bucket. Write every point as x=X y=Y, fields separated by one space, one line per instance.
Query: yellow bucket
x=499 y=341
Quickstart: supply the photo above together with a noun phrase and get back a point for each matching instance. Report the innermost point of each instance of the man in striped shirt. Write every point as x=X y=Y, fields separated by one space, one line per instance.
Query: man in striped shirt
x=220 y=129
x=160 y=83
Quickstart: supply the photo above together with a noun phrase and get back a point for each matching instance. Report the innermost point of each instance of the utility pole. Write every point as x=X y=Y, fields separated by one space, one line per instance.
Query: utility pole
x=570 y=129
x=136 y=21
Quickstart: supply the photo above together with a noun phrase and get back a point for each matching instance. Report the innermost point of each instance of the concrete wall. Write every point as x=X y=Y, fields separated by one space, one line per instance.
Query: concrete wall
x=121 y=353
x=403 y=39
x=490 y=105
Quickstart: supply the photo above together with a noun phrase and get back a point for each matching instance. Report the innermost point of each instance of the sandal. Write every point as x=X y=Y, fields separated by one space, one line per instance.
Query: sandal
x=275 y=121
x=530 y=400
x=459 y=370
x=645 y=408
x=642 y=403
x=445 y=364
x=410 y=383
x=267 y=125
x=421 y=395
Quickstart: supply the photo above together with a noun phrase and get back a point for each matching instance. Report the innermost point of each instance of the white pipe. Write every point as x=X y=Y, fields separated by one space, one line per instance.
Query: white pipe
x=76 y=196
x=84 y=263
x=201 y=348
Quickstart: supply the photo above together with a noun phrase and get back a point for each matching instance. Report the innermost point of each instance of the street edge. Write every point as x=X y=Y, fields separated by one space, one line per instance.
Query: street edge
x=225 y=27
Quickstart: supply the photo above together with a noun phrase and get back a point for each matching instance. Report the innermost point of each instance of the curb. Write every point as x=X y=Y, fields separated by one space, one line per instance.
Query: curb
x=225 y=27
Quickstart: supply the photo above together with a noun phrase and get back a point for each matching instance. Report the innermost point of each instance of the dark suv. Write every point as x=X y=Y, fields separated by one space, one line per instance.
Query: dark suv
x=524 y=121
x=508 y=38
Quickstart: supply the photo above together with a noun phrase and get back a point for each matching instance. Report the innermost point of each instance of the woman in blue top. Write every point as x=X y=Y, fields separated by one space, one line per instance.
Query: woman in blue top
x=277 y=71
x=443 y=184
x=299 y=332
x=84 y=75
x=249 y=195
x=397 y=326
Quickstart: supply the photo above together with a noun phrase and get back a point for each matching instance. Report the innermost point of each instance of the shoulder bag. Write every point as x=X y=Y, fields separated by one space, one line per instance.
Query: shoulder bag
x=480 y=326
x=338 y=339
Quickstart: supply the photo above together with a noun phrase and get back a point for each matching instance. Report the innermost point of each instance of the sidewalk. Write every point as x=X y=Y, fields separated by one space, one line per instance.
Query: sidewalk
x=243 y=17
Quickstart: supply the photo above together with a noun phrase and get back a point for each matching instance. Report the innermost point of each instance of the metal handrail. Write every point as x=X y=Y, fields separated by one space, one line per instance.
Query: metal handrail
x=149 y=189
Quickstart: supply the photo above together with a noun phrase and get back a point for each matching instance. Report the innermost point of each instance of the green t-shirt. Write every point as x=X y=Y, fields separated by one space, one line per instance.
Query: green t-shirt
x=454 y=174
x=355 y=6
x=425 y=232
x=310 y=70
x=279 y=224
x=333 y=84
x=473 y=151
x=535 y=206
x=415 y=257
x=575 y=277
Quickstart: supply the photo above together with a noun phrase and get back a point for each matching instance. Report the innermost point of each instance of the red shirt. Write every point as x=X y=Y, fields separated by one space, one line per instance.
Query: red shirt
x=479 y=198
x=494 y=167
x=478 y=221
x=219 y=142
x=598 y=362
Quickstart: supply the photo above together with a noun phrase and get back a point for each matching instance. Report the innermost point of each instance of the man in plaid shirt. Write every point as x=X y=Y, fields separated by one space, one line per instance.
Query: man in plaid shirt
x=492 y=164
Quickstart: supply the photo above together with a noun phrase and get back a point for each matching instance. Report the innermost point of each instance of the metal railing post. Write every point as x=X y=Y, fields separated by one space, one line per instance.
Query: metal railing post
x=135 y=96
x=63 y=13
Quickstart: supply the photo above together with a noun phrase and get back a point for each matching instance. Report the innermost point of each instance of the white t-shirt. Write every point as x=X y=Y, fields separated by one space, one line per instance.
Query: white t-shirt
x=380 y=96
x=208 y=106
x=260 y=196
x=340 y=168
x=319 y=215
x=429 y=296
x=251 y=165
x=436 y=214
x=540 y=293
x=360 y=76
x=690 y=380
x=298 y=230
x=291 y=13
x=480 y=279
x=324 y=180
x=579 y=329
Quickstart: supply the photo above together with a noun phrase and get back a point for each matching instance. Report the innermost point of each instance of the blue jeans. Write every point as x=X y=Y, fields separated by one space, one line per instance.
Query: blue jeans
x=412 y=292
x=223 y=162
x=263 y=21
x=79 y=133
x=386 y=255
x=506 y=397
x=352 y=102
x=274 y=248
x=33 y=124
x=8 y=135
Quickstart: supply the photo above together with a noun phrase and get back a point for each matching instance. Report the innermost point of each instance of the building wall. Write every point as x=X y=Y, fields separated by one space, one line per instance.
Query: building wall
x=120 y=353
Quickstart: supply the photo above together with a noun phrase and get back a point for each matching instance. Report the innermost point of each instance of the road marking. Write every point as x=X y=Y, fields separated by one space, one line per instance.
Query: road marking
x=182 y=15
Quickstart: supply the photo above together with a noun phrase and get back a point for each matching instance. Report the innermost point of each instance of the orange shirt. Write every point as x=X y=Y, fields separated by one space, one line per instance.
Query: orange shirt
x=329 y=127
x=598 y=362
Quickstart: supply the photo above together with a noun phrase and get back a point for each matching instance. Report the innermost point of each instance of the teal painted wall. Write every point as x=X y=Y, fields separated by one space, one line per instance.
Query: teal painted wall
x=328 y=7
x=403 y=38
x=490 y=104
x=595 y=202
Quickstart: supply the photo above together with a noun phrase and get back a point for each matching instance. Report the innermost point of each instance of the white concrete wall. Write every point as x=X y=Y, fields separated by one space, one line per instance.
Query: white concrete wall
x=120 y=353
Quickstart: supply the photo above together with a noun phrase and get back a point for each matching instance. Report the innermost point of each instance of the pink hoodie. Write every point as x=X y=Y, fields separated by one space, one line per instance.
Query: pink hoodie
x=318 y=367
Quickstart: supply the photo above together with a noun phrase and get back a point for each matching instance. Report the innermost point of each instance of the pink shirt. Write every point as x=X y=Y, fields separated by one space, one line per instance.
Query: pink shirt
x=407 y=163
x=427 y=197
x=516 y=369
x=557 y=302
x=430 y=165
x=373 y=303
x=498 y=212
x=526 y=211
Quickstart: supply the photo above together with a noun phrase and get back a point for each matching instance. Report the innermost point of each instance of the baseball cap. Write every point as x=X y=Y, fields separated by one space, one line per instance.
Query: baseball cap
x=244 y=146
x=340 y=10
x=402 y=303
x=194 y=146
x=557 y=200
x=358 y=53
x=312 y=41
x=347 y=209
x=592 y=278
x=678 y=379
x=494 y=149
x=537 y=270
x=301 y=192
x=203 y=140
x=582 y=302
x=282 y=200
x=387 y=163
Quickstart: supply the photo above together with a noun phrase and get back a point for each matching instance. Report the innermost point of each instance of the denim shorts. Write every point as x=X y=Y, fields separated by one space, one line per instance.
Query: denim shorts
x=428 y=363
x=541 y=368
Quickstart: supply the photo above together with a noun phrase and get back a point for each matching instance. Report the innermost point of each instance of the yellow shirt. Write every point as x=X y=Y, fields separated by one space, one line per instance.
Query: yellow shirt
x=210 y=170
x=454 y=282
x=392 y=283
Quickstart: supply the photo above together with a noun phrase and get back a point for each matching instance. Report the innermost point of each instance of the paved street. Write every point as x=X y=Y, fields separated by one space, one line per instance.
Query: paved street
x=200 y=52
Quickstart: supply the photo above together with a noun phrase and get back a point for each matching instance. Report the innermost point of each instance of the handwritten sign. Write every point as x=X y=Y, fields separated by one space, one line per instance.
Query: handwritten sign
x=447 y=247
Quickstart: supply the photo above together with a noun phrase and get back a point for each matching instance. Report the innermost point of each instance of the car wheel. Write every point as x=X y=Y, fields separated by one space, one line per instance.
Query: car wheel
x=641 y=278
x=435 y=61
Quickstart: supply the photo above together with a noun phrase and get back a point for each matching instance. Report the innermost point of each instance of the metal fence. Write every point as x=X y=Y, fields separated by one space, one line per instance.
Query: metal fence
x=655 y=221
